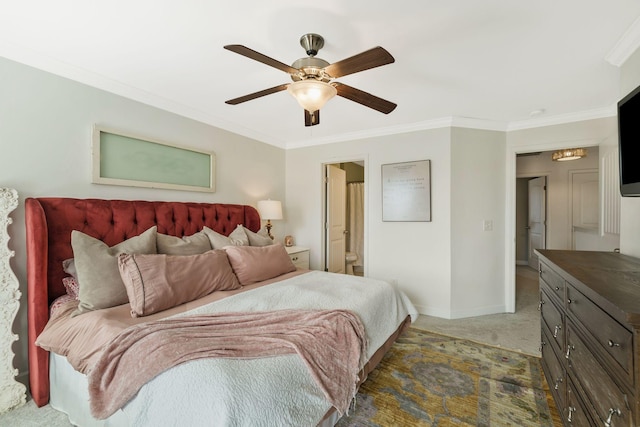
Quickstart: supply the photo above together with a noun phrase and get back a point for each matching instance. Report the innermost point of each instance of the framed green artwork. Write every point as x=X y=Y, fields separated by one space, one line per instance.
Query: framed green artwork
x=124 y=159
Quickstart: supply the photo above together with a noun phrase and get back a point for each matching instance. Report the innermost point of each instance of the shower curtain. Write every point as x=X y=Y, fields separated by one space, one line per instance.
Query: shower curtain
x=355 y=213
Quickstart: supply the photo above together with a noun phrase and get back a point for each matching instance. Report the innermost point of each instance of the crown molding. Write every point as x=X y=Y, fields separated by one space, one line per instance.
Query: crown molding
x=626 y=45
x=62 y=69
x=372 y=133
x=561 y=119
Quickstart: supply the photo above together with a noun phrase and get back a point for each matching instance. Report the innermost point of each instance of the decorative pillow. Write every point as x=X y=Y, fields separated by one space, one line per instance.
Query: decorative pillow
x=72 y=287
x=218 y=241
x=158 y=282
x=257 y=239
x=97 y=266
x=197 y=243
x=253 y=264
x=57 y=304
x=69 y=267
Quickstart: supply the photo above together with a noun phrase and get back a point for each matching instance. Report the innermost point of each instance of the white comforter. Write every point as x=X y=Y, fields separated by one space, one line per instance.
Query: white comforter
x=275 y=391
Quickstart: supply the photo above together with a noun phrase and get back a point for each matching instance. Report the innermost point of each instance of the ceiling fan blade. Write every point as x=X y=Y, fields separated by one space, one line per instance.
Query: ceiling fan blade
x=257 y=56
x=363 y=61
x=364 y=98
x=255 y=95
x=311 y=119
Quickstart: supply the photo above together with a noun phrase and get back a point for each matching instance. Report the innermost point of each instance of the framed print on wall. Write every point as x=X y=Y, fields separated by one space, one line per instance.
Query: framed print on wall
x=406 y=191
x=130 y=160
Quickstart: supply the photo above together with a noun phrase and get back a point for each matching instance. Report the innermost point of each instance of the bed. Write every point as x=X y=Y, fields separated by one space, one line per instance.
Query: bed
x=257 y=390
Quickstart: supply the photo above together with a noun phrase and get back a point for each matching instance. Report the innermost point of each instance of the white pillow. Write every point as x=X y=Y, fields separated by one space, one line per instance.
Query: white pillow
x=219 y=241
x=257 y=239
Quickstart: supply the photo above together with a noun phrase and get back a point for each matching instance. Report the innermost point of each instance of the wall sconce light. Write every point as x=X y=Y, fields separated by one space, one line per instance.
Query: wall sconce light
x=270 y=209
x=569 y=154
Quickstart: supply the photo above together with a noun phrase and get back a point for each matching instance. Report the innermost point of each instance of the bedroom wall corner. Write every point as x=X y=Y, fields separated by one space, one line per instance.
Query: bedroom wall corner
x=414 y=254
x=477 y=222
x=630 y=206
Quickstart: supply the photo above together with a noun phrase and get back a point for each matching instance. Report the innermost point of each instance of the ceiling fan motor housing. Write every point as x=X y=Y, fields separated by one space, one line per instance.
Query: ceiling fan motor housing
x=312 y=68
x=312 y=43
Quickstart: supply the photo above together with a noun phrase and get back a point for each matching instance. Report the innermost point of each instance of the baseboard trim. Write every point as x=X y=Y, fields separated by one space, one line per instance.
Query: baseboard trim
x=479 y=311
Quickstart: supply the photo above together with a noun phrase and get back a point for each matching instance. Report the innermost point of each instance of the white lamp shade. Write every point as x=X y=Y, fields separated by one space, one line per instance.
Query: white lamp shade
x=311 y=94
x=270 y=209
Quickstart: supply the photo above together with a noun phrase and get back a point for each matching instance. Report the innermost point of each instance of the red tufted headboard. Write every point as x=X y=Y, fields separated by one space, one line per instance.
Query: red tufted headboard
x=49 y=222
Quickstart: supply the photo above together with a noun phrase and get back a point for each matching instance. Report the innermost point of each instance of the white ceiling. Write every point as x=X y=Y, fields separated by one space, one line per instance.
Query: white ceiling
x=490 y=63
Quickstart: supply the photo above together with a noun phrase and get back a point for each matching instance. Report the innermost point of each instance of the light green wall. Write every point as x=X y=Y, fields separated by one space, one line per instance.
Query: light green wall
x=45 y=150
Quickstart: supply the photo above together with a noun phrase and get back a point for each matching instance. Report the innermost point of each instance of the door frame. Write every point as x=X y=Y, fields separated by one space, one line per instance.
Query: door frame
x=546 y=210
x=510 y=206
x=323 y=206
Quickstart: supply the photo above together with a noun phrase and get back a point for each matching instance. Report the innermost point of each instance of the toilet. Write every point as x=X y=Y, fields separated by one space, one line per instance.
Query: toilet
x=350 y=258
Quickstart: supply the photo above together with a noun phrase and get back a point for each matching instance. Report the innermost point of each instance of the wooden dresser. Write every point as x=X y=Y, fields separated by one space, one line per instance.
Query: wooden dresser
x=590 y=306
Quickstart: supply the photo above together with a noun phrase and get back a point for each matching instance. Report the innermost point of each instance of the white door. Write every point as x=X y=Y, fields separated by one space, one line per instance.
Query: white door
x=585 y=208
x=336 y=219
x=585 y=200
x=537 y=218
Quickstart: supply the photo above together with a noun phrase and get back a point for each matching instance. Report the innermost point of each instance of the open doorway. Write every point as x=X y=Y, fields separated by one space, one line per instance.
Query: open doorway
x=556 y=208
x=344 y=213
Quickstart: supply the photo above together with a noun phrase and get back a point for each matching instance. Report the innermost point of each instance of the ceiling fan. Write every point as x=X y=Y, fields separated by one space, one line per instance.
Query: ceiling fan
x=312 y=77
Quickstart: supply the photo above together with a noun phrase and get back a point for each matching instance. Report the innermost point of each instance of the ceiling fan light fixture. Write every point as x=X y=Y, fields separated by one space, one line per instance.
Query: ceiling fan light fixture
x=569 y=154
x=311 y=94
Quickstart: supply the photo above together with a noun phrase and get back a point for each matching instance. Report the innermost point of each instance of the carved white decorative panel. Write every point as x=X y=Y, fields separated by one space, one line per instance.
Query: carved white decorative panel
x=12 y=393
x=610 y=192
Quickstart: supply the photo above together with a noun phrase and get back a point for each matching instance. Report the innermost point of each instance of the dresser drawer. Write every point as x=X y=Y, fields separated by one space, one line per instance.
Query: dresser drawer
x=300 y=259
x=614 y=339
x=575 y=412
x=553 y=280
x=554 y=369
x=553 y=320
x=607 y=399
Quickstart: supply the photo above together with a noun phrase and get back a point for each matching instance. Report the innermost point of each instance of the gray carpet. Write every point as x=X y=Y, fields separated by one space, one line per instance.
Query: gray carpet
x=519 y=331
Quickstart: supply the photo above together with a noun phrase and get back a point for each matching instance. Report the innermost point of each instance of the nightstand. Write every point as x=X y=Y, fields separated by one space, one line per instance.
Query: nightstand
x=299 y=256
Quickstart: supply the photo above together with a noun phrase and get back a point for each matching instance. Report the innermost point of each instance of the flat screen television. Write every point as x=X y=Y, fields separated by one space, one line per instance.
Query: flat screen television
x=629 y=143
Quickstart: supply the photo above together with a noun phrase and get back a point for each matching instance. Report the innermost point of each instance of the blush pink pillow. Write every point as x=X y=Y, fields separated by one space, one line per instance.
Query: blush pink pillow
x=159 y=282
x=254 y=263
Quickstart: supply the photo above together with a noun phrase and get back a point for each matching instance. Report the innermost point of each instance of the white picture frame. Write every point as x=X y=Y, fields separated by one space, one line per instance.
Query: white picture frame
x=406 y=191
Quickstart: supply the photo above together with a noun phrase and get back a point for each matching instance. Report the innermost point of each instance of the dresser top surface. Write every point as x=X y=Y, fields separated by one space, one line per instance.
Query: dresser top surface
x=613 y=276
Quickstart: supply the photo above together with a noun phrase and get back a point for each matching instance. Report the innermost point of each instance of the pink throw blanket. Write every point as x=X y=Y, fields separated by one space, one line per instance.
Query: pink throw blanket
x=331 y=343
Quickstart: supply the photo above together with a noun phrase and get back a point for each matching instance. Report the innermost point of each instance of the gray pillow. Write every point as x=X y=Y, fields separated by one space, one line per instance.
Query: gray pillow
x=219 y=241
x=195 y=244
x=97 y=266
x=257 y=239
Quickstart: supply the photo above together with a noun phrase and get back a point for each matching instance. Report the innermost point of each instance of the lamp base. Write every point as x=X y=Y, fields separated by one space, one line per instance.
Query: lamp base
x=268 y=227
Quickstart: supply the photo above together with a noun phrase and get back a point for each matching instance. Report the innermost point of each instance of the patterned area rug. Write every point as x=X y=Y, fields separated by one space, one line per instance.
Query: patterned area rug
x=428 y=379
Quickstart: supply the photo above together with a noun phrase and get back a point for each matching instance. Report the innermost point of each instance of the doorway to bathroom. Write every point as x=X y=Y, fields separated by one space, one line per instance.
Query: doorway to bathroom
x=344 y=213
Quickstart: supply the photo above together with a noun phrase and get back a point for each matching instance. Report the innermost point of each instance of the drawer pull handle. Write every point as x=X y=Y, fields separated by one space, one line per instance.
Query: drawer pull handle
x=571 y=411
x=295 y=258
x=542 y=344
x=612 y=412
x=557 y=288
x=613 y=344
x=540 y=305
x=556 y=330
x=569 y=348
x=558 y=382
x=569 y=301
